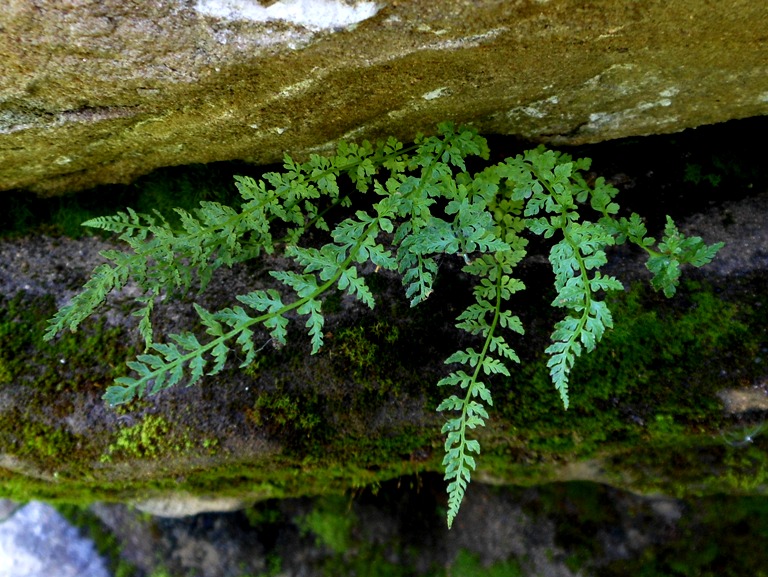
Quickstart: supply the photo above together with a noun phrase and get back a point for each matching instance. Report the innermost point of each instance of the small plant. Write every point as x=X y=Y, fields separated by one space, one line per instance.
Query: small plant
x=426 y=206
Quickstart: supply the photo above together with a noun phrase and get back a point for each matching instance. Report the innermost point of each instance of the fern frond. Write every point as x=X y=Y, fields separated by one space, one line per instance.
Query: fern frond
x=131 y=224
x=104 y=279
x=458 y=461
x=675 y=250
x=167 y=365
x=418 y=276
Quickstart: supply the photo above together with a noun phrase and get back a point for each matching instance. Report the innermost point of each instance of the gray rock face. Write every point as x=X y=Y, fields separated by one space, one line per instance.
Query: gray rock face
x=38 y=542
x=102 y=92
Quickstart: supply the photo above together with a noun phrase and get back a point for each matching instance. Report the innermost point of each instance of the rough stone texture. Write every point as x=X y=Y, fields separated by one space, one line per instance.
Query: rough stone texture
x=498 y=525
x=183 y=505
x=562 y=530
x=38 y=542
x=495 y=523
x=745 y=400
x=102 y=92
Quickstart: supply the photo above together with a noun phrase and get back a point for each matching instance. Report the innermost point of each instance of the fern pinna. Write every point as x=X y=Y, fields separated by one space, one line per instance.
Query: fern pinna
x=428 y=206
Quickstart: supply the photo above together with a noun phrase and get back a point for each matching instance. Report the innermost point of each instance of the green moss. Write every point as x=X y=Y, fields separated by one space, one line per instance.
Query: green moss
x=351 y=548
x=356 y=351
x=663 y=428
x=345 y=464
x=713 y=540
x=644 y=408
x=296 y=416
x=262 y=514
x=369 y=353
x=660 y=359
x=284 y=410
x=644 y=402
x=331 y=521
x=144 y=440
x=69 y=361
x=363 y=348
x=155 y=437
x=469 y=565
x=665 y=432
x=41 y=443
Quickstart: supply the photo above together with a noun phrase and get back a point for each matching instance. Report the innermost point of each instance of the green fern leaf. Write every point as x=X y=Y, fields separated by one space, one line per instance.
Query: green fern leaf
x=104 y=279
x=355 y=286
x=314 y=323
x=263 y=301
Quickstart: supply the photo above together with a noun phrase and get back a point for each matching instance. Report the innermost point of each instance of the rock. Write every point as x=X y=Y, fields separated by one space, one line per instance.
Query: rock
x=180 y=504
x=745 y=400
x=102 y=92
x=558 y=530
x=207 y=545
x=38 y=542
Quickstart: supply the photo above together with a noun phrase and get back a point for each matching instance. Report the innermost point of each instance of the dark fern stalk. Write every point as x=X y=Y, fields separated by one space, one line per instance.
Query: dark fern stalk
x=429 y=206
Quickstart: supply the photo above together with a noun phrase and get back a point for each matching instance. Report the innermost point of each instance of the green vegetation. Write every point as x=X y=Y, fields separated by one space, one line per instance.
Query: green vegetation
x=22 y=361
x=350 y=548
x=733 y=168
x=700 y=537
x=427 y=205
x=148 y=439
x=643 y=414
x=706 y=540
x=468 y=565
x=105 y=540
x=365 y=352
x=295 y=416
x=656 y=361
x=331 y=521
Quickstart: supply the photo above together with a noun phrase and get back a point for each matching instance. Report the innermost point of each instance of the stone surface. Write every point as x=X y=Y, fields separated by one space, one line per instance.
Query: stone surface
x=183 y=505
x=401 y=528
x=102 y=92
x=745 y=400
x=7 y=508
x=561 y=530
x=38 y=542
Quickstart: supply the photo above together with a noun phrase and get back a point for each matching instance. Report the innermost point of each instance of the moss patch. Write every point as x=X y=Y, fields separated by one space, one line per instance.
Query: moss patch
x=96 y=354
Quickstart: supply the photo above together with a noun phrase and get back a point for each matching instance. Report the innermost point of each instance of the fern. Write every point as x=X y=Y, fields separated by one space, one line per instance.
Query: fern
x=482 y=318
x=427 y=206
